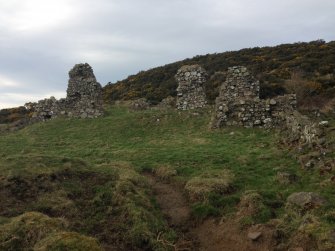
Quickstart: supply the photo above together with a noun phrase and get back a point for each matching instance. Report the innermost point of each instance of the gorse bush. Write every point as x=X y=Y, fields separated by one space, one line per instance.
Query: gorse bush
x=271 y=65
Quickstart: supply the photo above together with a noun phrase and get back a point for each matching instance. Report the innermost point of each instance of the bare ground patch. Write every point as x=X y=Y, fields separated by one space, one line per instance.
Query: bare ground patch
x=171 y=201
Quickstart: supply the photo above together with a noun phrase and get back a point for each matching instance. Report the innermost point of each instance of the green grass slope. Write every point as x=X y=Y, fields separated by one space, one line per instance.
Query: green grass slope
x=89 y=172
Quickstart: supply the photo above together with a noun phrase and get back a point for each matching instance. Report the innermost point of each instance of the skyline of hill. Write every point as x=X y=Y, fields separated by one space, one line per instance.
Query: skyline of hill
x=312 y=64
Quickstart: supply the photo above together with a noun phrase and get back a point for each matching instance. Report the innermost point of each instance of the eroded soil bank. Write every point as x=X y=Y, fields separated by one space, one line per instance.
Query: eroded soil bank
x=208 y=235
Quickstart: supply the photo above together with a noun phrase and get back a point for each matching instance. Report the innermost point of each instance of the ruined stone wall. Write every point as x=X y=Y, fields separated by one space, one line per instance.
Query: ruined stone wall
x=190 y=91
x=84 y=98
x=84 y=93
x=239 y=103
x=239 y=84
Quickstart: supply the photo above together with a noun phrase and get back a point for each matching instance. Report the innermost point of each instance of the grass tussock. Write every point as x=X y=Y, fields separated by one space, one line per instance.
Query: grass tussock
x=24 y=231
x=68 y=241
x=200 y=187
x=252 y=210
x=165 y=172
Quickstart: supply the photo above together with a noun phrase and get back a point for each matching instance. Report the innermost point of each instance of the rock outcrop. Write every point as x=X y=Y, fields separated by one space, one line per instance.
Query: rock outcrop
x=190 y=91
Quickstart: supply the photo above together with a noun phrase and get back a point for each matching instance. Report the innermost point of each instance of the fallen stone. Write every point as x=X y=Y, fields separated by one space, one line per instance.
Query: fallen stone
x=273 y=102
x=306 y=200
x=140 y=104
x=324 y=123
x=254 y=236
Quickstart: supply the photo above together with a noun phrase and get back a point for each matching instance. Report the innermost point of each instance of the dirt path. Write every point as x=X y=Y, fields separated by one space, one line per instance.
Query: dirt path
x=228 y=236
x=210 y=235
x=171 y=201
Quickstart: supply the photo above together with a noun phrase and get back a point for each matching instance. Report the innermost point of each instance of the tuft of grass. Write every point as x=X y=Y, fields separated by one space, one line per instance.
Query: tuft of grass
x=68 y=241
x=3 y=220
x=201 y=211
x=165 y=172
x=200 y=187
x=252 y=209
x=24 y=231
x=54 y=203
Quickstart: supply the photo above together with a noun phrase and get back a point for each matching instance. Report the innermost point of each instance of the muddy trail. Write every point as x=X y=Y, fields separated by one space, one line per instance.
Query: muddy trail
x=176 y=210
x=210 y=235
x=171 y=201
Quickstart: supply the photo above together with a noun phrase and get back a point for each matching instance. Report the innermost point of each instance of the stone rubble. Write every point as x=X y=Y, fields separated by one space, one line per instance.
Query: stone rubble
x=190 y=91
x=139 y=104
x=84 y=98
x=168 y=102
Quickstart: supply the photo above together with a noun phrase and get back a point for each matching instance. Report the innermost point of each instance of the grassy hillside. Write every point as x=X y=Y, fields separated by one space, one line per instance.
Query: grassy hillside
x=93 y=175
x=310 y=65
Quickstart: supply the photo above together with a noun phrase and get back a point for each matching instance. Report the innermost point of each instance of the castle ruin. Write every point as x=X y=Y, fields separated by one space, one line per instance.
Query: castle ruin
x=83 y=100
x=239 y=103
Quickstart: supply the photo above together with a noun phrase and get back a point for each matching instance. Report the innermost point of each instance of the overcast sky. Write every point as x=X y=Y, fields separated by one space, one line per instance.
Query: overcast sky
x=40 y=40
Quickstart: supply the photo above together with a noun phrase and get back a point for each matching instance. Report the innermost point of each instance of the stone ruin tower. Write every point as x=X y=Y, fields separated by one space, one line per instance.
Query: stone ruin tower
x=190 y=91
x=84 y=93
x=84 y=98
x=239 y=103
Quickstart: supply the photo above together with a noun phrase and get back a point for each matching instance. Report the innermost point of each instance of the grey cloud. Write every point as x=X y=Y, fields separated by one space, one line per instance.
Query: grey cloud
x=119 y=38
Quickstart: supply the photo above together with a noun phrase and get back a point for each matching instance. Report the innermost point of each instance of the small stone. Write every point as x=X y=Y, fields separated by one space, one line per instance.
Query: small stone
x=306 y=200
x=310 y=164
x=324 y=123
x=273 y=102
x=257 y=122
x=254 y=236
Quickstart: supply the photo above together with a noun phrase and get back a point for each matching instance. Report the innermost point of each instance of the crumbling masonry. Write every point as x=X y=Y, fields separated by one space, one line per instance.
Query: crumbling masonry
x=190 y=92
x=239 y=103
x=84 y=98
